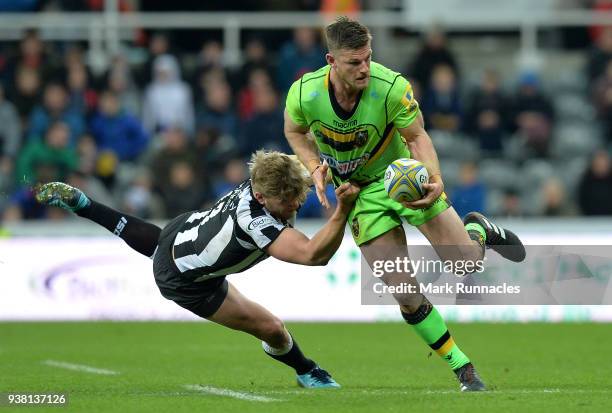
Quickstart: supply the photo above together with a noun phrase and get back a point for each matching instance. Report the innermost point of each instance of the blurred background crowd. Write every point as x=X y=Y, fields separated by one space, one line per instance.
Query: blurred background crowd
x=168 y=126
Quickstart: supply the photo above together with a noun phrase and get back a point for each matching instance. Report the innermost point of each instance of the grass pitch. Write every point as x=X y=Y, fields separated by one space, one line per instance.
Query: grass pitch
x=383 y=367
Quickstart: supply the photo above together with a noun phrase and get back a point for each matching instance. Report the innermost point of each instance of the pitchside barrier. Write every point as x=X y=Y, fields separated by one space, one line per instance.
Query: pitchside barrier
x=80 y=272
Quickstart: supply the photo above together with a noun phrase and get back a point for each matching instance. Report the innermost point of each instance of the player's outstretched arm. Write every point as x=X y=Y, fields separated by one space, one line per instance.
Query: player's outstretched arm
x=307 y=152
x=422 y=149
x=293 y=246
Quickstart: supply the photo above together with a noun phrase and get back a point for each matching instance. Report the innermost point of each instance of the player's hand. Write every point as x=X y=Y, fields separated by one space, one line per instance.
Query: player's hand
x=347 y=194
x=319 y=177
x=434 y=190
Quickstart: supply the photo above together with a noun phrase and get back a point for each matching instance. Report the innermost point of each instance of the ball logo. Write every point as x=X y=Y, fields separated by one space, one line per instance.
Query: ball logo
x=422 y=179
x=260 y=222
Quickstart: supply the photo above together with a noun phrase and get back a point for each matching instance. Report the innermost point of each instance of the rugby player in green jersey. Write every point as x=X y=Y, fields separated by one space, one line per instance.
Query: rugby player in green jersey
x=354 y=117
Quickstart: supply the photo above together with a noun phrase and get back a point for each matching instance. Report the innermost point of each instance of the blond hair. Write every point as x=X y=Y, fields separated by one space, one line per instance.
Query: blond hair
x=275 y=174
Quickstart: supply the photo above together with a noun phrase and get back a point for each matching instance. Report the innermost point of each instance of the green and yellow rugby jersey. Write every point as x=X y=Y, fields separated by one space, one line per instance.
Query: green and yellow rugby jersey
x=361 y=144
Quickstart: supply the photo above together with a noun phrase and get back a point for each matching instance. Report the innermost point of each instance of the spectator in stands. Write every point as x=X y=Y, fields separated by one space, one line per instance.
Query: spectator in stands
x=213 y=148
x=600 y=55
x=533 y=114
x=31 y=55
x=595 y=188
x=22 y=205
x=234 y=173
x=258 y=78
x=50 y=159
x=139 y=198
x=176 y=148
x=511 y=204
x=210 y=59
x=55 y=109
x=255 y=59
x=487 y=113
x=81 y=96
x=184 y=192
x=87 y=151
x=265 y=128
x=470 y=194
x=118 y=131
x=602 y=96
x=217 y=111
x=10 y=139
x=434 y=52
x=120 y=81
x=159 y=44
x=554 y=199
x=441 y=105
x=303 y=54
x=25 y=93
x=73 y=56
x=168 y=101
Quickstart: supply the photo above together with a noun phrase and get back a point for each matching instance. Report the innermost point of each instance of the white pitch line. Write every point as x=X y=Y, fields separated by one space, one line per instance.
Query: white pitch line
x=79 y=367
x=384 y=392
x=230 y=393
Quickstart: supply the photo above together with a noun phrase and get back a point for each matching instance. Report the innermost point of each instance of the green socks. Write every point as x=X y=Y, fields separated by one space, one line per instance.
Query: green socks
x=429 y=325
x=477 y=233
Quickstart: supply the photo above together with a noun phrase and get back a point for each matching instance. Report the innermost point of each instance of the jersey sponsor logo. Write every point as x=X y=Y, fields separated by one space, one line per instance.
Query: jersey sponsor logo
x=345 y=169
x=409 y=101
x=344 y=125
x=260 y=222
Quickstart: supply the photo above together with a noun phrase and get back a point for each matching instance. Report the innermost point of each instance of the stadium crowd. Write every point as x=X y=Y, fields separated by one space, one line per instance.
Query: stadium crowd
x=173 y=133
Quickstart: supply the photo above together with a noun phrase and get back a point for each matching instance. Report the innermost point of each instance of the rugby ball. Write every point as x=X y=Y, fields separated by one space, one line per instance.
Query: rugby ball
x=404 y=179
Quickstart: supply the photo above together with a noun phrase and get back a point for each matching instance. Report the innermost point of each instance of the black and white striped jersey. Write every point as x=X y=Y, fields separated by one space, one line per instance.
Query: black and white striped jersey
x=227 y=238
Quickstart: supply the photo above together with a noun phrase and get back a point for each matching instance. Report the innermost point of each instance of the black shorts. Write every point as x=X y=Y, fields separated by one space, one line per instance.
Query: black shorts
x=201 y=298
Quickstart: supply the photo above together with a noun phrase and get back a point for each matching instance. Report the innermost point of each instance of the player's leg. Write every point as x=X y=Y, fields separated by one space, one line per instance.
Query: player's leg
x=140 y=235
x=467 y=240
x=239 y=313
x=376 y=225
x=420 y=313
x=447 y=234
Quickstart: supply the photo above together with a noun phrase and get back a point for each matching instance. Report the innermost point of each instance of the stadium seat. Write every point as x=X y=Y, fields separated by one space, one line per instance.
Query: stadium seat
x=494 y=202
x=499 y=173
x=456 y=146
x=450 y=172
x=575 y=139
x=573 y=106
x=535 y=173
x=570 y=172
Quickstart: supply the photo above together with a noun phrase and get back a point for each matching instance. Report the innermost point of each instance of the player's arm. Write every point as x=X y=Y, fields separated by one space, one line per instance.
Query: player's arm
x=403 y=109
x=293 y=246
x=305 y=149
x=296 y=130
x=422 y=149
x=308 y=153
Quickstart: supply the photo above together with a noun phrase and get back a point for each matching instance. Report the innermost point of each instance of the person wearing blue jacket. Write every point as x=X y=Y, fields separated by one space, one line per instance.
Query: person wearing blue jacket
x=118 y=131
